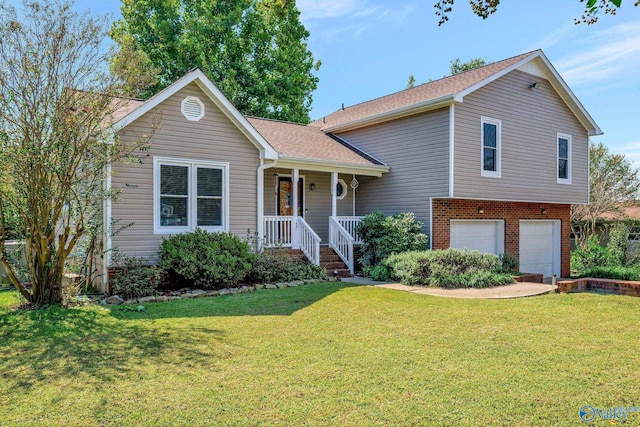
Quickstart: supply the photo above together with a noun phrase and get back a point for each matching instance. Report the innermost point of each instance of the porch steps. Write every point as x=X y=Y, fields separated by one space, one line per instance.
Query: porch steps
x=332 y=263
x=328 y=259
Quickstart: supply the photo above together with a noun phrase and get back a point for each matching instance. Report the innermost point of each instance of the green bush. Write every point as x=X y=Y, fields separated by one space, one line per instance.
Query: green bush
x=134 y=277
x=448 y=268
x=207 y=260
x=276 y=265
x=387 y=235
x=612 y=272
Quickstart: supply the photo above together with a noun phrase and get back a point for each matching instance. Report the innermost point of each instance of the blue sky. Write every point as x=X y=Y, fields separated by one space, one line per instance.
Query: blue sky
x=368 y=48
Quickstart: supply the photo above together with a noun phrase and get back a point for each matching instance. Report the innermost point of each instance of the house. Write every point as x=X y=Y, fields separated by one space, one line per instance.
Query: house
x=489 y=159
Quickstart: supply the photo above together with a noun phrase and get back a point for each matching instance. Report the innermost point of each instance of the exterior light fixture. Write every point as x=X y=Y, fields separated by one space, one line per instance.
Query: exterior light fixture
x=480 y=210
x=534 y=85
x=312 y=187
x=543 y=211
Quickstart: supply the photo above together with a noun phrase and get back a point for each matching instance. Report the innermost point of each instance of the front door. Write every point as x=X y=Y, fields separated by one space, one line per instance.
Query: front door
x=285 y=197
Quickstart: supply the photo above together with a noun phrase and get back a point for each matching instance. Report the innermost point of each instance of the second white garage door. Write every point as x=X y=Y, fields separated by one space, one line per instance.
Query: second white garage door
x=479 y=235
x=540 y=247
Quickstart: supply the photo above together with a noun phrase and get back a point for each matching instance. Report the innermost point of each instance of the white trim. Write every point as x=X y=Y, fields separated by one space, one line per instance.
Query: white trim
x=192 y=164
x=345 y=189
x=498 y=124
x=187 y=114
x=509 y=200
x=334 y=202
x=566 y=180
x=198 y=77
x=329 y=166
x=260 y=203
x=451 y=147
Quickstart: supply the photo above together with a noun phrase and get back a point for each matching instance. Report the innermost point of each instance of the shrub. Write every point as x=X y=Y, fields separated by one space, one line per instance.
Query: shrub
x=612 y=272
x=276 y=265
x=387 y=235
x=207 y=260
x=449 y=268
x=134 y=277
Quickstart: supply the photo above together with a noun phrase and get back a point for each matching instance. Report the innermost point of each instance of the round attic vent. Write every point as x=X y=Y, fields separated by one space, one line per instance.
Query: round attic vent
x=192 y=108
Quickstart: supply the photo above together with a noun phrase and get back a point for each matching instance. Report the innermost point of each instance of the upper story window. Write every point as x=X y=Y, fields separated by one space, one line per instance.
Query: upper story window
x=564 y=159
x=189 y=194
x=491 y=147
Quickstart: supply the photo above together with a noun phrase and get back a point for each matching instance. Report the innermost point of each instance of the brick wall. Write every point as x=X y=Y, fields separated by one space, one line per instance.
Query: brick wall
x=511 y=212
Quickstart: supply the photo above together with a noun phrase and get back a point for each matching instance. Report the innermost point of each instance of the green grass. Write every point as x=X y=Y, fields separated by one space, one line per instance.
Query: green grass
x=328 y=354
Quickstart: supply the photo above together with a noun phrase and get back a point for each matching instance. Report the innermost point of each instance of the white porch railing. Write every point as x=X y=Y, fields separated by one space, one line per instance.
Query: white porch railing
x=350 y=223
x=341 y=242
x=280 y=230
x=308 y=241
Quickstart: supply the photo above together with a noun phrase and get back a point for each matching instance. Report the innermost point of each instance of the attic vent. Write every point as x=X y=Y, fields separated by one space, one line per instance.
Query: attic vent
x=192 y=108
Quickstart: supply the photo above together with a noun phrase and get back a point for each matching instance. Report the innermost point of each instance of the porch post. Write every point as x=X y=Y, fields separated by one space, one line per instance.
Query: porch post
x=334 y=198
x=294 y=183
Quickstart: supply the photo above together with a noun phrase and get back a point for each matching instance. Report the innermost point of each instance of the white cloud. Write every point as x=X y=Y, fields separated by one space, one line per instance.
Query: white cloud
x=630 y=150
x=610 y=53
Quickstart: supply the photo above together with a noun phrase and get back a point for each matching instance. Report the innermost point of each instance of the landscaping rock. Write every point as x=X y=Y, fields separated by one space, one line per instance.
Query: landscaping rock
x=174 y=294
x=162 y=298
x=260 y=286
x=282 y=285
x=114 y=300
x=198 y=292
x=174 y=298
x=143 y=300
x=212 y=293
x=297 y=282
x=188 y=295
x=234 y=291
x=293 y=285
x=270 y=286
x=131 y=301
x=223 y=292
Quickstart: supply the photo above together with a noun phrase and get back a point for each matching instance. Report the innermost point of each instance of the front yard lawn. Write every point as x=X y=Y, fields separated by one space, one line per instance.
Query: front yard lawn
x=327 y=354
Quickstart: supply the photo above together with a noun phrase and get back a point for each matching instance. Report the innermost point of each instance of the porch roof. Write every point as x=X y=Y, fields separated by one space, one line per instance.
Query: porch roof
x=310 y=146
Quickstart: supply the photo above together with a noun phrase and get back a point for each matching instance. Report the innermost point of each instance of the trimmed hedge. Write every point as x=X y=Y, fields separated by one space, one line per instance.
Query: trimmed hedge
x=275 y=265
x=207 y=260
x=448 y=268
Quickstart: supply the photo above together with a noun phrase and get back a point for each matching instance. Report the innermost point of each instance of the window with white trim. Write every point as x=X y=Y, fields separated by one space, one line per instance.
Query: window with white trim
x=564 y=159
x=491 y=147
x=189 y=194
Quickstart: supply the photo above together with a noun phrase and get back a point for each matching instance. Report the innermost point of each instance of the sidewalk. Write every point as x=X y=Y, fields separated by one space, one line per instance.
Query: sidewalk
x=517 y=290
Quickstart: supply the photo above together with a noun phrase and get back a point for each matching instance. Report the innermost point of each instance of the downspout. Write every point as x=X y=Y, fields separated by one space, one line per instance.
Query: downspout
x=260 y=198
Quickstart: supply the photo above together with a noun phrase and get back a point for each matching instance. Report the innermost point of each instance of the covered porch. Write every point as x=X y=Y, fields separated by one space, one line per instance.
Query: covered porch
x=307 y=197
x=326 y=213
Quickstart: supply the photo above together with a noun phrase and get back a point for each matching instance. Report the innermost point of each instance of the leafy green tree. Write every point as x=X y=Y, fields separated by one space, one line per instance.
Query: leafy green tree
x=411 y=82
x=255 y=51
x=613 y=185
x=56 y=103
x=457 y=66
x=485 y=8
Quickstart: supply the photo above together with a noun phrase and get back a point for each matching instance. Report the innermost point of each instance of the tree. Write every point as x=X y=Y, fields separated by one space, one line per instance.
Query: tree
x=458 y=66
x=411 y=82
x=614 y=184
x=485 y=8
x=57 y=100
x=255 y=51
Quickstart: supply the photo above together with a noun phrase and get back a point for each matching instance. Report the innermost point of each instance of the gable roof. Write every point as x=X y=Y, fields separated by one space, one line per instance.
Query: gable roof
x=136 y=109
x=309 y=144
x=448 y=90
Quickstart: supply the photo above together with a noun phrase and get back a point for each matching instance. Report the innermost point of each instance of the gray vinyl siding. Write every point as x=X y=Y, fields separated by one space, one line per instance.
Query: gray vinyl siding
x=213 y=138
x=417 y=150
x=317 y=203
x=531 y=119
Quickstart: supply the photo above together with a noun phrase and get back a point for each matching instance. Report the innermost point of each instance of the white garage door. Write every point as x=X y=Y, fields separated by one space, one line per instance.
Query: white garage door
x=479 y=235
x=540 y=247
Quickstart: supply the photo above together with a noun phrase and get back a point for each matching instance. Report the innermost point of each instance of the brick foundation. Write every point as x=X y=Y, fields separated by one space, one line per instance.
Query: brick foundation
x=444 y=210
